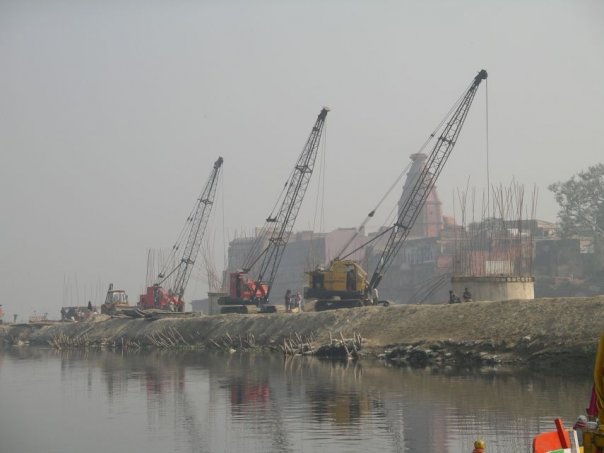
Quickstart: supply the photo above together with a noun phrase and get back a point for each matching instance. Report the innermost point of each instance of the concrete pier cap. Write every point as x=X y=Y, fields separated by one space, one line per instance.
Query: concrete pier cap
x=494 y=288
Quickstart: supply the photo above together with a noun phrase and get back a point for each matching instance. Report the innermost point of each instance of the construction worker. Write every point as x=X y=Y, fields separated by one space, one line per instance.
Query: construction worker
x=467 y=295
x=580 y=426
x=288 y=299
x=453 y=299
x=375 y=295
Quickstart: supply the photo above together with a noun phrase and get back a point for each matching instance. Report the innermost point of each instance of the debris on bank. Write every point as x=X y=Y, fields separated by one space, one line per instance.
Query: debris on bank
x=348 y=348
x=234 y=343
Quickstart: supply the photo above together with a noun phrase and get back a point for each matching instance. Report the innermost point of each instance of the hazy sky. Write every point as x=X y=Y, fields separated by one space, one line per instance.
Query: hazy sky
x=112 y=113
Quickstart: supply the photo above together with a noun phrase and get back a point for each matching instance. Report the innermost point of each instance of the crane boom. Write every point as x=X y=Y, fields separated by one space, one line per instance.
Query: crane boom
x=195 y=226
x=268 y=248
x=198 y=224
x=425 y=182
x=282 y=224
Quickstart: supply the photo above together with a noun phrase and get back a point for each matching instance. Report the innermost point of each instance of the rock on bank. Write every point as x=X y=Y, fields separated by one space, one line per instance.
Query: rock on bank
x=541 y=332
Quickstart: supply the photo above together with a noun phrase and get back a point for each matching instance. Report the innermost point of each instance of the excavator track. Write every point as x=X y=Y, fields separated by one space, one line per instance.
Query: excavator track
x=334 y=304
x=241 y=309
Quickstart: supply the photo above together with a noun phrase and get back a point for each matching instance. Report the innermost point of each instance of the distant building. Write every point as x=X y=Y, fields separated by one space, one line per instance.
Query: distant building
x=436 y=249
x=201 y=306
x=419 y=272
x=564 y=257
x=304 y=252
x=429 y=222
x=425 y=258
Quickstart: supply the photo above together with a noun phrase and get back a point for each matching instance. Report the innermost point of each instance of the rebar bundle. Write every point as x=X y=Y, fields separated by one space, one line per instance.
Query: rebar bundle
x=500 y=242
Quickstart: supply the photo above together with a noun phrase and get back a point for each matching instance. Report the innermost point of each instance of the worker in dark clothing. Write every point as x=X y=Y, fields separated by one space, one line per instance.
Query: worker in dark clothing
x=288 y=299
x=351 y=280
x=89 y=306
x=467 y=295
x=453 y=299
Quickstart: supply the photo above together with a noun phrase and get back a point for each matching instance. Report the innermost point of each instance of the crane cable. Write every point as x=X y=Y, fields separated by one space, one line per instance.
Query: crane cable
x=171 y=259
x=421 y=149
x=323 y=174
x=372 y=213
x=319 y=202
x=224 y=238
x=254 y=254
x=487 y=146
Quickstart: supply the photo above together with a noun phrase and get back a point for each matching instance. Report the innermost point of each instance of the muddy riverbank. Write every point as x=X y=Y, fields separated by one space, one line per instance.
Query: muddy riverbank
x=544 y=333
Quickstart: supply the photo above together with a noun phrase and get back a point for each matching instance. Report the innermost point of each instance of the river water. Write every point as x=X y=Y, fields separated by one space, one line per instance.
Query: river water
x=103 y=402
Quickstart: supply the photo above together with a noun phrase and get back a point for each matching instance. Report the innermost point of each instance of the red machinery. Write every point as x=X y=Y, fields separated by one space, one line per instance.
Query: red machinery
x=241 y=286
x=158 y=297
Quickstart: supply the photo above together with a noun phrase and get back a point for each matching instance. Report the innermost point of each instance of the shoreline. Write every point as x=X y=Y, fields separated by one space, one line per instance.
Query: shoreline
x=553 y=334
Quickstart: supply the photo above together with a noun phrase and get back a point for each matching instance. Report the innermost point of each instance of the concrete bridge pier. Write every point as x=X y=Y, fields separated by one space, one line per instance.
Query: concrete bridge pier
x=495 y=288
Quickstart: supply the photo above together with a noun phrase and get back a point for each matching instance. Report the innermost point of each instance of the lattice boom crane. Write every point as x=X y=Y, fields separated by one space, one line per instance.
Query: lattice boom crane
x=193 y=231
x=244 y=290
x=425 y=182
x=344 y=284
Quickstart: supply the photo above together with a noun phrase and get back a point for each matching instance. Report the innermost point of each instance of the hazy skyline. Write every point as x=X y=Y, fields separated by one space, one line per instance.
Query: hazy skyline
x=112 y=114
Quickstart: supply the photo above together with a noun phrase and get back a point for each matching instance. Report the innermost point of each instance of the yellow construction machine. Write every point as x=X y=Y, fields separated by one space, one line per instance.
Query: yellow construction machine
x=343 y=285
x=116 y=300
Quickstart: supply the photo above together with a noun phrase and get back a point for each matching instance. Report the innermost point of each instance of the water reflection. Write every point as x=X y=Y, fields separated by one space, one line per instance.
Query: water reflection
x=206 y=402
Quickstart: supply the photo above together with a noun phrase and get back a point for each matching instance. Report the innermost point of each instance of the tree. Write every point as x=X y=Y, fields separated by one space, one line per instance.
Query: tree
x=581 y=200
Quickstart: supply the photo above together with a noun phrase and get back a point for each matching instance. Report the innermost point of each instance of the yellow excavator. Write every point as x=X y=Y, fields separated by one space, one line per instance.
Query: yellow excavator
x=344 y=283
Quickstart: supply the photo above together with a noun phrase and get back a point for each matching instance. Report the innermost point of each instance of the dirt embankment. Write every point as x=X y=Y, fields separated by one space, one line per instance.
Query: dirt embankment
x=538 y=333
